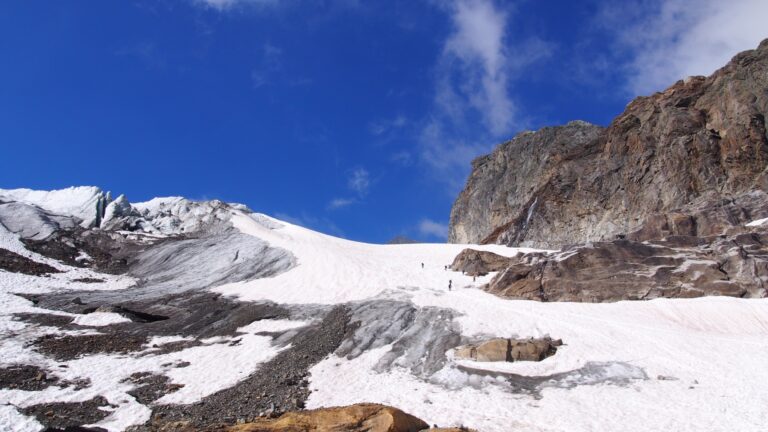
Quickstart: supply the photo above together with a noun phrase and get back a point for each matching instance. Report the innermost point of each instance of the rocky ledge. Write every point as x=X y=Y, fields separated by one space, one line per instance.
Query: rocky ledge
x=734 y=264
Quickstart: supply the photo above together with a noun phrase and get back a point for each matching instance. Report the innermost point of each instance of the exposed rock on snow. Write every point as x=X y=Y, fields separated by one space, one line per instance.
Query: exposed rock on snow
x=13 y=262
x=509 y=350
x=355 y=418
x=680 y=266
x=103 y=251
x=64 y=415
x=25 y=377
x=702 y=139
x=280 y=385
x=479 y=263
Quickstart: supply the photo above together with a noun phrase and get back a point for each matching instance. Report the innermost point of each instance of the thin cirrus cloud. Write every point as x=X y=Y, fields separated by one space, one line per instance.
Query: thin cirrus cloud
x=671 y=39
x=338 y=203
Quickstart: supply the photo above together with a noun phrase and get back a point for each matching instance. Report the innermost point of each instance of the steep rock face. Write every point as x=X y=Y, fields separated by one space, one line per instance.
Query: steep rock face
x=701 y=140
x=509 y=181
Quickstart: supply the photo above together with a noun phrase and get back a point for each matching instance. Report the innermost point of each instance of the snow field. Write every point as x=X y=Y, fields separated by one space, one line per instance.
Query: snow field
x=681 y=364
x=689 y=364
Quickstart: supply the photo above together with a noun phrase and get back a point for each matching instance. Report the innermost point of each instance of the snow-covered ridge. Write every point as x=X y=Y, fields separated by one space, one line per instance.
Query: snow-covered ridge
x=91 y=207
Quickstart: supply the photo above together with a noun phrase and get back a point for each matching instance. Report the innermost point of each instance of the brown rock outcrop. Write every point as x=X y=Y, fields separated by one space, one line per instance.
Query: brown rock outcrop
x=680 y=266
x=353 y=418
x=362 y=417
x=479 y=263
x=651 y=171
x=509 y=350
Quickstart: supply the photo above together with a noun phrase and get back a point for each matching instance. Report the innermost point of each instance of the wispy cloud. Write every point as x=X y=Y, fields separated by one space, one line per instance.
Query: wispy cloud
x=403 y=158
x=359 y=181
x=671 y=39
x=473 y=107
x=382 y=126
x=269 y=63
x=338 y=203
x=430 y=228
x=222 y=5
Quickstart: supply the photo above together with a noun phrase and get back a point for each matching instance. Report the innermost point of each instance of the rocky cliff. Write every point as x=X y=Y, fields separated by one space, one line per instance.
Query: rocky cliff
x=700 y=143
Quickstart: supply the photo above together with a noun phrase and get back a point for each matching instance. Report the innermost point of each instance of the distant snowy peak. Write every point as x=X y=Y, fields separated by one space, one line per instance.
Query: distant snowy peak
x=90 y=207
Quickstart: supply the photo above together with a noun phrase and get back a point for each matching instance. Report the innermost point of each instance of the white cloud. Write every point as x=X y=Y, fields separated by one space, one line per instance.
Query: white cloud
x=359 y=181
x=476 y=48
x=430 y=228
x=338 y=203
x=473 y=106
x=672 y=39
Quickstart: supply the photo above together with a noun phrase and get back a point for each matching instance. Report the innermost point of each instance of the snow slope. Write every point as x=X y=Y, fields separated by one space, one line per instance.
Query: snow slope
x=333 y=270
x=665 y=364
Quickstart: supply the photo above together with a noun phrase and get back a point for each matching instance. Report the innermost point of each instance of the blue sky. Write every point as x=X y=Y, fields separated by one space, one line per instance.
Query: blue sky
x=355 y=118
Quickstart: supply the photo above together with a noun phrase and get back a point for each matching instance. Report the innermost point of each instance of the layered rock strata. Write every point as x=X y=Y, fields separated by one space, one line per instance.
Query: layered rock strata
x=733 y=265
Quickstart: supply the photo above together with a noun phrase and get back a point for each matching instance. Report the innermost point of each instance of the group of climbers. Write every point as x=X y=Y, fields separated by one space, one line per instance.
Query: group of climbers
x=450 y=282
